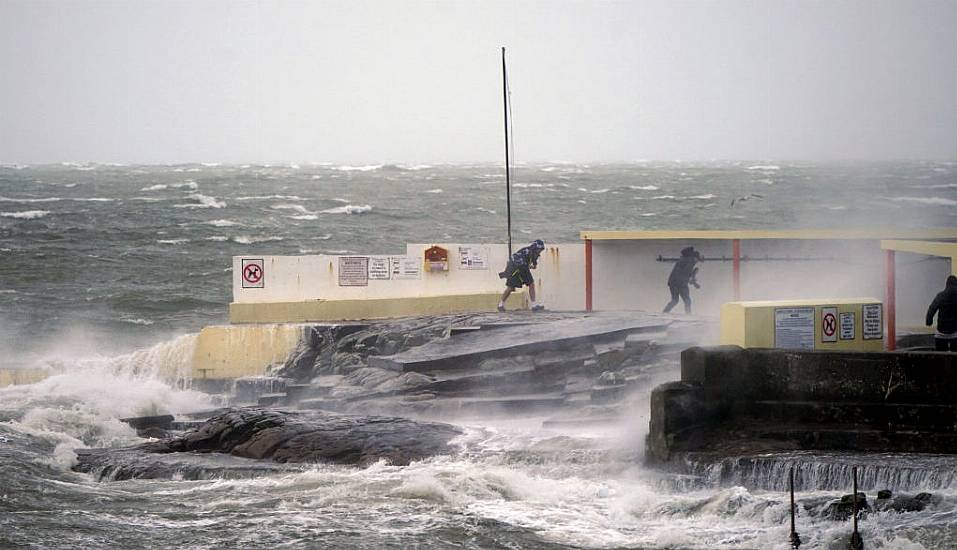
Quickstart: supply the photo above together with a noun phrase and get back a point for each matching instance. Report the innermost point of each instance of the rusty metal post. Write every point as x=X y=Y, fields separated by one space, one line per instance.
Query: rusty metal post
x=736 y=268
x=890 y=300
x=795 y=538
x=856 y=542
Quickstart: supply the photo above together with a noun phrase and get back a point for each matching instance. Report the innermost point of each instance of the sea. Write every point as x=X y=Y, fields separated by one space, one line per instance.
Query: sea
x=107 y=273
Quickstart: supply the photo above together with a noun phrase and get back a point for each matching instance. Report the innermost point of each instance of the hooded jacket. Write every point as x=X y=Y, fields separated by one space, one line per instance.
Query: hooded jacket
x=945 y=306
x=684 y=268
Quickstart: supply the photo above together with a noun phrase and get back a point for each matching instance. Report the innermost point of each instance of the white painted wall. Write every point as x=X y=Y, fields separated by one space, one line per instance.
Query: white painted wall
x=559 y=278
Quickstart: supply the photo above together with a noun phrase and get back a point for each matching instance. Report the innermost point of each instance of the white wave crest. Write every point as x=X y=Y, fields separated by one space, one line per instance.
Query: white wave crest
x=204 y=201
x=366 y=168
x=349 y=209
x=26 y=214
x=247 y=239
x=935 y=201
x=173 y=241
x=217 y=238
x=294 y=207
x=644 y=187
x=703 y=197
x=222 y=223
x=764 y=167
x=270 y=197
x=157 y=187
x=305 y=217
x=434 y=191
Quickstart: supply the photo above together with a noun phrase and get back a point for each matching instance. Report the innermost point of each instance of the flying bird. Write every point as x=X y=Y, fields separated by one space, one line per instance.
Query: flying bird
x=744 y=198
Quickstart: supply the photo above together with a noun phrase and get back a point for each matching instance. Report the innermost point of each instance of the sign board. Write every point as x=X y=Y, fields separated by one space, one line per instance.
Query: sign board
x=872 y=321
x=829 y=324
x=253 y=273
x=380 y=268
x=404 y=267
x=473 y=257
x=794 y=328
x=353 y=271
x=847 y=325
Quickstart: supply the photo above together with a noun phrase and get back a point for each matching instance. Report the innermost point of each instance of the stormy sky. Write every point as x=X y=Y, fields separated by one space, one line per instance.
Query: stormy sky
x=398 y=81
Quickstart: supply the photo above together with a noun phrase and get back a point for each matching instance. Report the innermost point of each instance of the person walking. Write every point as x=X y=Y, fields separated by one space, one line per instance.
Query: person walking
x=945 y=307
x=683 y=274
x=518 y=273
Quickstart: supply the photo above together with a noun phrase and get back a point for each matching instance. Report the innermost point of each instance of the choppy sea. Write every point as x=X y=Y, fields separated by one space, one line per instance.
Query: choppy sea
x=109 y=271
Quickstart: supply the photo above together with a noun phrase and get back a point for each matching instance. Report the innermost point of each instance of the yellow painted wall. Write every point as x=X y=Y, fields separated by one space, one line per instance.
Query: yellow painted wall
x=17 y=377
x=752 y=324
x=340 y=310
x=234 y=351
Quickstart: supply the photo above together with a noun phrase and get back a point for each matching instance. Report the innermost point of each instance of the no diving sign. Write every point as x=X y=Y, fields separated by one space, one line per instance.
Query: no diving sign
x=829 y=324
x=253 y=273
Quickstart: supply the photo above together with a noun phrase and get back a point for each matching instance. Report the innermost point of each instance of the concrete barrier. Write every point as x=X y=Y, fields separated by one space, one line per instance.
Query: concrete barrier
x=734 y=399
x=16 y=377
x=234 y=351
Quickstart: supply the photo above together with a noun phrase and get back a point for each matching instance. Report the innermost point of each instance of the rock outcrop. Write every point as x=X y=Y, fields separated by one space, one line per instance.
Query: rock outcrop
x=283 y=437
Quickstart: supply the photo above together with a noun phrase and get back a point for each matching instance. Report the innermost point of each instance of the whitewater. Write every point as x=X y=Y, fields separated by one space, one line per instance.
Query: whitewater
x=108 y=272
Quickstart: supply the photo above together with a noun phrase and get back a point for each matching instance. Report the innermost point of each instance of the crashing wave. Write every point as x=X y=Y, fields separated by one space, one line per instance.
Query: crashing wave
x=349 y=209
x=26 y=214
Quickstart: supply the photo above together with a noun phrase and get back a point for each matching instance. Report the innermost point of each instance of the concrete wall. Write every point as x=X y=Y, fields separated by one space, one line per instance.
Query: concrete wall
x=16 y=377
x=559 y=277
x=627 y=275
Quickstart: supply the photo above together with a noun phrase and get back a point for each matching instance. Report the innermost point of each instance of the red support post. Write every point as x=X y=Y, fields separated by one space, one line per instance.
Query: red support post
x=588 y=289
x=736 y=268
x=890 y=300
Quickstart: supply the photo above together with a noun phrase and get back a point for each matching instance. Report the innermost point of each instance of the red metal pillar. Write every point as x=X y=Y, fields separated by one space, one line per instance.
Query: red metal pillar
x=736 y=267
x=588 y=290
x=890 y=300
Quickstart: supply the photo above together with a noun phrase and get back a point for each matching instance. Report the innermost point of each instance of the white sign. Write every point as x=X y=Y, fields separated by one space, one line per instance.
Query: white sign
x=353 y=271
x=380 y=268
x=872 y=321
x=847 y=325
x=829 y=324
x=253 y=273
x=473 y=257
x=794 y=328
x=404 y=267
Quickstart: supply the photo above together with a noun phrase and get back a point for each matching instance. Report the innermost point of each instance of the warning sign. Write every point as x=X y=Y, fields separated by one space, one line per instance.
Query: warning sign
x=473 y=257
x=404 y=267
x=847 y=325
x=794 y=328
x=829 y=324
x=872 y=321
x=379 y=268
x=353 y=271
x=253 y=273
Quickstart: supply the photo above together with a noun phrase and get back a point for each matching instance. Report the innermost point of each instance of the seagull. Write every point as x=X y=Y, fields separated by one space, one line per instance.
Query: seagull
x=744 y=198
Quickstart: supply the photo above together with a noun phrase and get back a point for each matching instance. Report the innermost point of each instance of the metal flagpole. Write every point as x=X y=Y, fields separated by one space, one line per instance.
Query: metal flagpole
x=508 y=181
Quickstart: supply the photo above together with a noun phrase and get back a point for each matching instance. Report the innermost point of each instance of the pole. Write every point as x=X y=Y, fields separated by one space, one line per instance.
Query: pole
x=588 y=282
x=890 y=299
x=736 y=268
x=795 y=539
x=508 y=181
x=856 y=542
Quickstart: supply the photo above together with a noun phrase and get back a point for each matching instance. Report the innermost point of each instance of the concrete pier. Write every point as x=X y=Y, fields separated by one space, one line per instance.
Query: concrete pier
x=737 y=401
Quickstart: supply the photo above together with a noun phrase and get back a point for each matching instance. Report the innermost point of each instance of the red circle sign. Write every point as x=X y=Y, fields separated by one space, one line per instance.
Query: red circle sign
x=253 y=273
x=829 y=324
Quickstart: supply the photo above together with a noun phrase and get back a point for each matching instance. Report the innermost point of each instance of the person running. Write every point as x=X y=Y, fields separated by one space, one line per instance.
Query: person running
x=518 y=273
x=683 y=274
x=945 y=307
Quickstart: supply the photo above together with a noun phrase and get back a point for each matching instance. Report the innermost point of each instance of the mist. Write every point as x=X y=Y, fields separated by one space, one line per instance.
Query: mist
x=171 y=82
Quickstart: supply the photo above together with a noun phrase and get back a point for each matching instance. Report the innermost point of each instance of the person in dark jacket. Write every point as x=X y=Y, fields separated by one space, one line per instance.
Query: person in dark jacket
x=518 y=273
x=683 y=274
x=945 y=307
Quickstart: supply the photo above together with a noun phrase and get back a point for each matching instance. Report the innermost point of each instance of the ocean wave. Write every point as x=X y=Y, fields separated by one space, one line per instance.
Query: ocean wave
x=943 y=186
x=664 y=197
x=324 y=237
x=934 y=201
x=29 y=201
x=138 y=321
x=648 y=214
x=528 y=185
x=764 y=167
x=188 y=184
x=343 y=201
x=486 y=210
x=246 y=239
x=173 y=241
x=349 y=209
x=644 y=187
x=366 y=168
x=222 y=223
x=271 y=197
x=436 y=191
x=294 y=207
x=703 y=197
x=26 y=214
x=157 y=187
x=217 y=238
x=305 y=217
x=204 y=201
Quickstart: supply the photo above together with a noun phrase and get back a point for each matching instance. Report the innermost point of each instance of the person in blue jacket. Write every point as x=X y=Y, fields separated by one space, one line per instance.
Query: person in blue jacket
x=683 y=274
x=518 y=273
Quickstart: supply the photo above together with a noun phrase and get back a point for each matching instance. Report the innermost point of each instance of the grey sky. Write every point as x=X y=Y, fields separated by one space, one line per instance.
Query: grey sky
x=392 y=81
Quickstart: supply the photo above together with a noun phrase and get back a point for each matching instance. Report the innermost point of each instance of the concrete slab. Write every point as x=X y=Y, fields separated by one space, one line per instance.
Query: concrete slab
x=465 y=350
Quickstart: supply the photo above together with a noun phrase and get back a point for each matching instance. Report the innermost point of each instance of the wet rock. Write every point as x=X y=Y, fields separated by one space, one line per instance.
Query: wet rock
x=905 y=503
x=884 y=494
x=843 y=509
x=285 y=437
